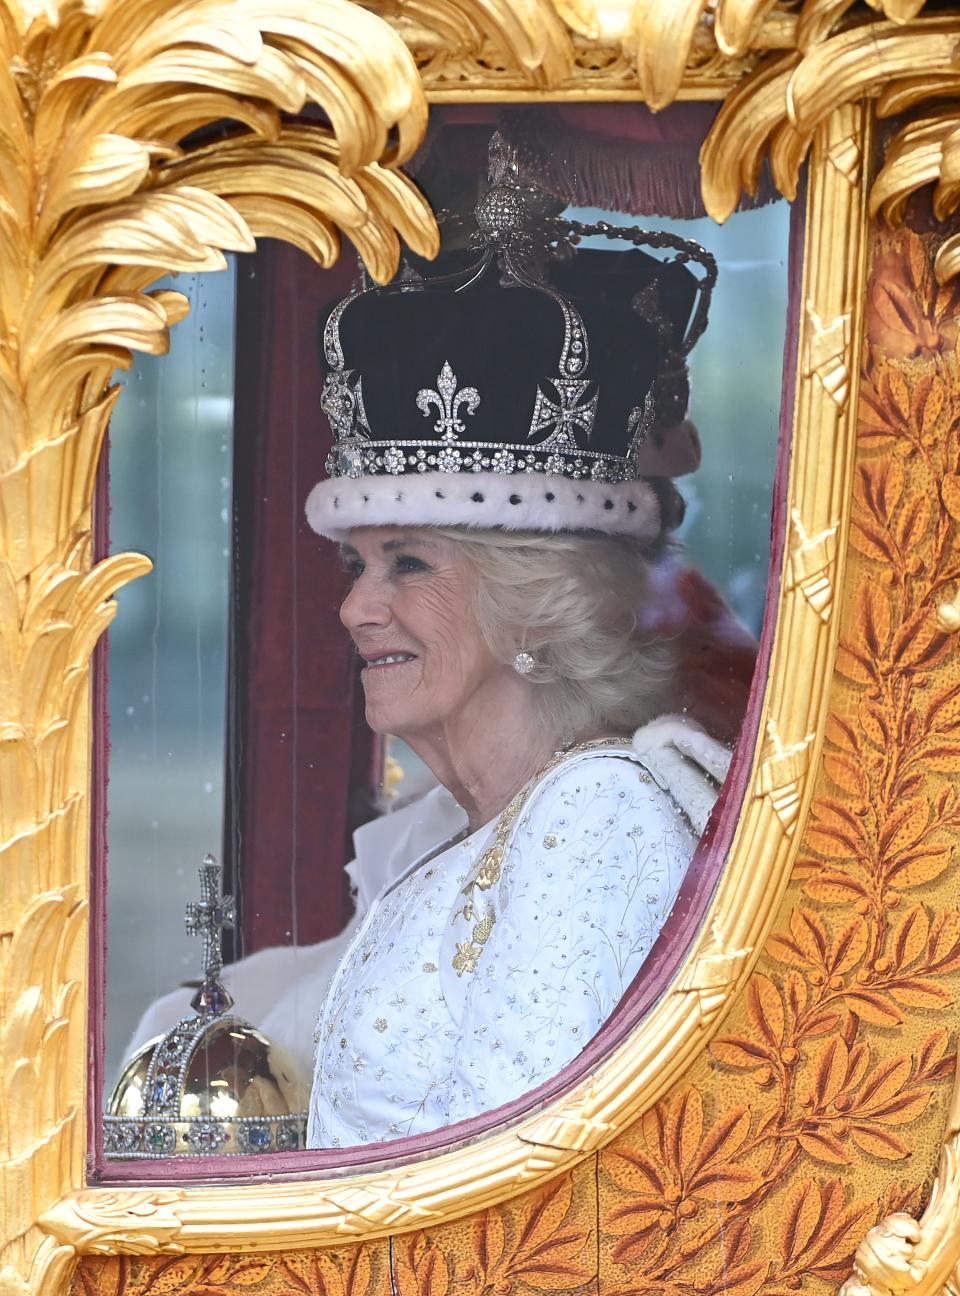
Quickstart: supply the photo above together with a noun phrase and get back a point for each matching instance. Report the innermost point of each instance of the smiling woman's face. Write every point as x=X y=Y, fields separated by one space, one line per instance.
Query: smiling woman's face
x=410 y=613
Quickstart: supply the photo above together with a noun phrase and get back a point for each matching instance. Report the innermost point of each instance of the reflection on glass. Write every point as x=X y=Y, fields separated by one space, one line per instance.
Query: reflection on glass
x=547 y=622
x=170 y=477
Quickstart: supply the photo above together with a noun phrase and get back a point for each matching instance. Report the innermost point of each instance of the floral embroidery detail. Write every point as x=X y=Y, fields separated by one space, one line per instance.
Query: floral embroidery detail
x=468 y=952
x=380 y=1024
x=489 y=953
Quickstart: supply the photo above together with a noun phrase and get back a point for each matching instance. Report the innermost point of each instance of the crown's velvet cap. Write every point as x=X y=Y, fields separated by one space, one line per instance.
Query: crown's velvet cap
x=498 y=399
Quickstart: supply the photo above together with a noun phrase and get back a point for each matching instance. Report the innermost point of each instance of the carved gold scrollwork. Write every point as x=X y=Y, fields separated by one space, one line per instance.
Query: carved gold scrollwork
x=777 y=110
x=530 y=38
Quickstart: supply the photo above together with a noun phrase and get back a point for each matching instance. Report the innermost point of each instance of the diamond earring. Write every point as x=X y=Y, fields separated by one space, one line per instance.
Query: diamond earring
x=524 y=663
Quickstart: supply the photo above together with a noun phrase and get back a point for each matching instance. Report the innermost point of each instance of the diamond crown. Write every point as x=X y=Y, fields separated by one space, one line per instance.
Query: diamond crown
x=517 y=232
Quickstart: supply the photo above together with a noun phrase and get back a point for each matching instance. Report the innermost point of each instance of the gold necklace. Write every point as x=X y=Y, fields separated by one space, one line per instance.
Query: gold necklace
x=488 y=872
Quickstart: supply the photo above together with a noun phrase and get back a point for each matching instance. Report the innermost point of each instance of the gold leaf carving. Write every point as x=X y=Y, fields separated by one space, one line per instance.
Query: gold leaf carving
x=380 y=1206
x=661 y=36
x=137 y=1222
x=739 y=23
x=778 y=108
x=846 y=156
x=733 y=152
x=782 y=771
x=573 y=1127
x=810 y=565
x=530 y=36
x=149 y=77
x=713 y=976
x=102 y=190
x=826 y=354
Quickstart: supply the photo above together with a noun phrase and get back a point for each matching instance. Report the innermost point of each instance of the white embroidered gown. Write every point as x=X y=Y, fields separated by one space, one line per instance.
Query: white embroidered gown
x=449 y=1002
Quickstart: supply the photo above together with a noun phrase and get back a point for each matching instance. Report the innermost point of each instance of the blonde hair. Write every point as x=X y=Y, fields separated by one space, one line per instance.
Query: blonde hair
x=569 y=600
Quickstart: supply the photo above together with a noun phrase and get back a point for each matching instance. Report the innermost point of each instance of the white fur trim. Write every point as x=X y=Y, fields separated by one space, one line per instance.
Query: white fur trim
x=514 y=501
x=686 y=762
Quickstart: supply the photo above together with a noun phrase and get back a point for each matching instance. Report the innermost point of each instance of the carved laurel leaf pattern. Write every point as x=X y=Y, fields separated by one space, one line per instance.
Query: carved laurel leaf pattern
x=545 y=1242
x=361 y=1271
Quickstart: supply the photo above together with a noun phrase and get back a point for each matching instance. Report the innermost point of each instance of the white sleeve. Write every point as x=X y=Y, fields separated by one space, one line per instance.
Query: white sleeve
x=591 y=875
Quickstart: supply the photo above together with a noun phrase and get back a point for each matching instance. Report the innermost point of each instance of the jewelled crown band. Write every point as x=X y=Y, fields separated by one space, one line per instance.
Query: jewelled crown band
x=529 y=384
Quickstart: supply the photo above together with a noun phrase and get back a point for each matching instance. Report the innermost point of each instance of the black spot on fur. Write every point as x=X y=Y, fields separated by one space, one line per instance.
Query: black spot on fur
x=549 y=497
x=608 y=504
x=515 y=499
x=477 y=497
x=631 y=507
x=440 y=495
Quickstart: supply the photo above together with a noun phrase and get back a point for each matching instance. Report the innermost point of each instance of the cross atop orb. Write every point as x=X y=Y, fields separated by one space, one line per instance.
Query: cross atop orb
x=210 y=917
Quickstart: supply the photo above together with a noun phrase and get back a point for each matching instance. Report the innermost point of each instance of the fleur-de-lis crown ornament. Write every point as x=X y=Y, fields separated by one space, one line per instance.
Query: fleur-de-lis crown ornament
x=448 y=399
x=524 y=382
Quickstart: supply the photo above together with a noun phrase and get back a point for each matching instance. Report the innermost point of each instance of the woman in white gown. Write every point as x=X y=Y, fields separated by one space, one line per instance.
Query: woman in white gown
x=499 y=551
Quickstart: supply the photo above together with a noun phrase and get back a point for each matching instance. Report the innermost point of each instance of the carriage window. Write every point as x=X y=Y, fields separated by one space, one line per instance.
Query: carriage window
x=171 y=467
x=458 y=596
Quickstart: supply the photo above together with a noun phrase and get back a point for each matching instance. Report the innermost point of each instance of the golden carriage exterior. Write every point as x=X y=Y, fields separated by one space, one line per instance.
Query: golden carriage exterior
x=785 y=1107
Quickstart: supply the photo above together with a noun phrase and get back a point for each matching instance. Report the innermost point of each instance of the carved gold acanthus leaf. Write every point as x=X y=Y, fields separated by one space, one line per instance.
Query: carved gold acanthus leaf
x=533 y=36
x=114 y=170
x=776 y=110
x=671 y=47
x=138 y=1222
